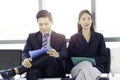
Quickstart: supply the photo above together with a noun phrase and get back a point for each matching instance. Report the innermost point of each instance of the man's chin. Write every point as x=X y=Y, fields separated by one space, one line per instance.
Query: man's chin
x=45 y=33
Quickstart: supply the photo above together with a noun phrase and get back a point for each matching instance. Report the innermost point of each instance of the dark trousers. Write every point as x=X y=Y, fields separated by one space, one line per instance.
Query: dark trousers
x=43 y=67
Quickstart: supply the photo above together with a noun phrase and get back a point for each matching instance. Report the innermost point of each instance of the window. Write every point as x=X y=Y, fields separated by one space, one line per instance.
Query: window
x=65 y=14
x=17 y=18
x=107 y=17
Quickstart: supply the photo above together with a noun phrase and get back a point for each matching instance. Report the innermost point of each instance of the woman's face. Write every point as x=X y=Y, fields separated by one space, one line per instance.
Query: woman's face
x=85 y=21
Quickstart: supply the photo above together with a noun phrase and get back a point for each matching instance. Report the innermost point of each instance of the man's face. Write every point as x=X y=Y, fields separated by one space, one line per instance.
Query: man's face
x=44 y=25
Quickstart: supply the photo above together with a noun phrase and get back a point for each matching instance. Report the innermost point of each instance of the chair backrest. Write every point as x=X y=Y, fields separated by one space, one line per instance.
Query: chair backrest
x=107 y=64
x=10 y=58
x=115 y=60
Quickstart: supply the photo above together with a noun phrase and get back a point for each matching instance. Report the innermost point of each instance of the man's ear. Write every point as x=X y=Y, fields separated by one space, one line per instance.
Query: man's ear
x=51 y=22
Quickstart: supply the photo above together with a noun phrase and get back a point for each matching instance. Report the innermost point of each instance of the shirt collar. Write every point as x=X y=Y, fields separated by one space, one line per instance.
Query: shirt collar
x=48 y=33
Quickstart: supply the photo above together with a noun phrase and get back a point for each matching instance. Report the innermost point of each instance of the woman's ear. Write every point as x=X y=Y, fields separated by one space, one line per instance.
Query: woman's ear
x=79 y=22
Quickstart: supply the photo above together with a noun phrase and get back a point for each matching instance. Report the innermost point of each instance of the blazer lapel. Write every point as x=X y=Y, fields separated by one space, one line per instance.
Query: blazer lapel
x=52 y=39
x=39 y=38
x=80 y=41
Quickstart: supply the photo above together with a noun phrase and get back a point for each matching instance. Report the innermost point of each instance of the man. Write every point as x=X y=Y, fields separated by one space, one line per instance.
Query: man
x=49 y=64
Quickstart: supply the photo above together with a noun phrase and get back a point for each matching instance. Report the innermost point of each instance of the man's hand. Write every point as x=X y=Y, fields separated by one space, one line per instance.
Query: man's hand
x=27 y=63
x=53 y=53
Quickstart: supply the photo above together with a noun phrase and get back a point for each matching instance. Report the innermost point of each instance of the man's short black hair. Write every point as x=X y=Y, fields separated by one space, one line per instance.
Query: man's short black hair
x=44 y=13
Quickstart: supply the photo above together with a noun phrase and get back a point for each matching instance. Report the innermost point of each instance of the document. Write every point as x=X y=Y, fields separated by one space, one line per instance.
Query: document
x=77 y=60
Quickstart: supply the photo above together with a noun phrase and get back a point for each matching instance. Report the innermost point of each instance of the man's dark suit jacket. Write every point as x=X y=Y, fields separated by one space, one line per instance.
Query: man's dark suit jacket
x=57 y=42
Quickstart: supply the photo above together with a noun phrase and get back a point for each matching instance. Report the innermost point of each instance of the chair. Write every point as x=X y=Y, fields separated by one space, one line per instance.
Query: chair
x=107 y=64
x=115 y=60
x=10 y=58
x=114 y=64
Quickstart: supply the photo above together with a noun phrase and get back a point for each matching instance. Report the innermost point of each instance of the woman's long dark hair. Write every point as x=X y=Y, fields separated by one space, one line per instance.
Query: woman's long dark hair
x=92 y=28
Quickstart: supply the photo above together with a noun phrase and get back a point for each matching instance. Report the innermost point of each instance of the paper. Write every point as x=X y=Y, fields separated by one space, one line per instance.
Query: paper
x=77 y=60
x=33 y=54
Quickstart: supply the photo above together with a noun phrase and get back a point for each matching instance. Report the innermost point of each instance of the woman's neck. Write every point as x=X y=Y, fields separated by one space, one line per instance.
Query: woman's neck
x=86 y=34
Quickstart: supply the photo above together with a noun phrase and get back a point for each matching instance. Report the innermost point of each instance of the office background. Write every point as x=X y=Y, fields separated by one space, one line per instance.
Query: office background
x=18 y=19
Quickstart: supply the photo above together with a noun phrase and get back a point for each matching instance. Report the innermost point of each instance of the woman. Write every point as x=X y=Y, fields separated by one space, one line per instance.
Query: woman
x=87 y=44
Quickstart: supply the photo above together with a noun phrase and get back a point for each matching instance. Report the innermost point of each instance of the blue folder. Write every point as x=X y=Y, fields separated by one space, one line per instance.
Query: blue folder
x=77 y=60
x=33 y=54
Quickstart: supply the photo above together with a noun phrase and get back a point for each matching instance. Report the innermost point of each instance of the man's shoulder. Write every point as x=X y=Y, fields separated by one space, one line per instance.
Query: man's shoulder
x=58 y=34
x=34 y=34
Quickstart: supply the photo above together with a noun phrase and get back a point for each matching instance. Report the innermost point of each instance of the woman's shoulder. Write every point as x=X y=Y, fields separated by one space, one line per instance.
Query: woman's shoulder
x=97 y=34
x=100 y=34
x=75 y=35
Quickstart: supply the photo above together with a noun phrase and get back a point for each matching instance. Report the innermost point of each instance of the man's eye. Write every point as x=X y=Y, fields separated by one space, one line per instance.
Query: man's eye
x=40 y=24
x=46 y=23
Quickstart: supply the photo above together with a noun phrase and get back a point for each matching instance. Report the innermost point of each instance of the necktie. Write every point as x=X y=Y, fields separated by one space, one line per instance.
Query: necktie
x=44 y=42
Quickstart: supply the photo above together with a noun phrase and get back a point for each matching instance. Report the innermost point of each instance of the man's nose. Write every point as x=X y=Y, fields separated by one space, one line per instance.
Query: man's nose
x=44 y=26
